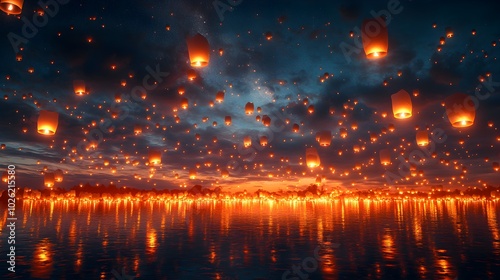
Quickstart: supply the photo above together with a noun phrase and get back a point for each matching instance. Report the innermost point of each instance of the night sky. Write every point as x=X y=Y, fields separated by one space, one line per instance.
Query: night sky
x=272 y=53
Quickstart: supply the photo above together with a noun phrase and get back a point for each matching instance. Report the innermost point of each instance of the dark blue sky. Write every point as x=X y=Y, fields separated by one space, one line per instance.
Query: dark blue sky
x=82 y=40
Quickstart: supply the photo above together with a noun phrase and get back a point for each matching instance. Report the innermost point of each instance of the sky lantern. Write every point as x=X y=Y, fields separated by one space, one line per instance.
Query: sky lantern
x=48 y=180
x=312 y=158
x=263 y=141
x=199 y=50
x=422 y=138
x=181 y=90
x=310 y=109
x=192 y=173
x=137 y=129
x=224 y=173
x=496 y=166
x=385 y=157
x=5 y=177
x=460 y=109
x=228 y=120
x=184 y=103
x=154 y=157
x=325 y=138
x=401 y=104
x=219 y=97
x=191 y=74
x=266 y=120
x=58 y=175
x=249 y=108
x=47 y=122
x=343 y=132
x=11 y=7
x=79 y=87
x=449 y=32
x=295 y=127
x=247 y=141
x=375 y=38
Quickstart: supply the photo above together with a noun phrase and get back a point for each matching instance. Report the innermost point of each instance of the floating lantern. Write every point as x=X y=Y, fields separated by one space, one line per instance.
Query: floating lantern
x=79 y=87
x=154 y=157
x=184 y=103
x=375 y=38
x=401 y=104
x=228 y=120
x=343 y=132
x=325 y=138
x=385 y=157
x=266 y=120
x=247 y=141
x=422 y=138
x=47 y=122
x=295 y=127
x=224 y=173
x=263 y=141
x=219 y=97
x=192 y=173
x=199 y=50
x=181 y=90
x=11 y=7
x=58 y=175
x=461 y=110
x=49 y=180
x=496 y=166
x=249 y=108
x=310 y=109
x=312 y=158
x=5 y=176
x=137 y=129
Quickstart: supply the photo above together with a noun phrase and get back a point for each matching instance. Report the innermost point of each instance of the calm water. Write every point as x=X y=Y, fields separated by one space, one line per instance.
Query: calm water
x=256 y=240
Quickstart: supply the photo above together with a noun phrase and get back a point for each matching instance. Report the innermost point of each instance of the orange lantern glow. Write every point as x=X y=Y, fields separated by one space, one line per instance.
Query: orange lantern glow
x=228 y=120
x=199 y=50
x=266 y=120
x=49 y=180
x=422 y=138
x=496 y=166
x=47 y=122
x=295 y=127
x=184 y=103
x=375 y=38
x=249 y=108
x=385 y=157
x=191 y=74
x=312 y=158
x=154 y=157
x=58 y=175
x=325 y=138
x=401 y=104
x=5 y=177
x=247 y=141
x=461 y=110
x=219 y=97
x=11 y=7
x=79 y=87
x=224 y=173
x=263 y=141
x=192 y=173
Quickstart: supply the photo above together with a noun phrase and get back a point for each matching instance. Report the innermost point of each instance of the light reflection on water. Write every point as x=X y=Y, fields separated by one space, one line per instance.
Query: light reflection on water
x=256 y=240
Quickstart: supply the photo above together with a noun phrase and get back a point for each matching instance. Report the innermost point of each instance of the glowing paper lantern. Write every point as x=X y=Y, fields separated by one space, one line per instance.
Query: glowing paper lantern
x=192 y=173
x=422 y=138
x=154 y=157
x=219 y=97
x=385 y=157
x=79 y=87
x=228 y=120
x=263 y=141
x=312 y=158
x=5 y=177
x=47 y=122
x=325 y=138
x=266 y=120
x=249 y=108
x=184 y=103
x=199 y=50
x=496 y=166
x=49 y=180
x=295 y=127
x=401 y=104
x=461 y=110
x=58 y=175
x=375 y=38
x=247 y=141
x=11 y=7
x=224 y=173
